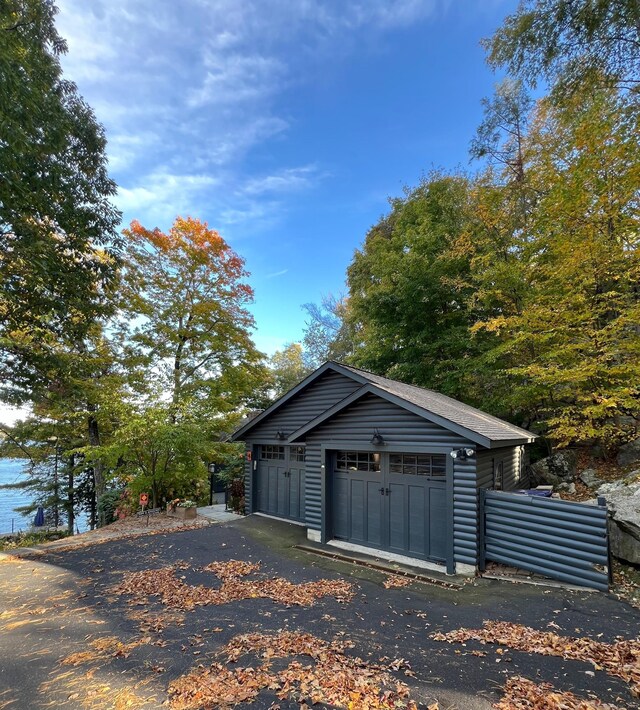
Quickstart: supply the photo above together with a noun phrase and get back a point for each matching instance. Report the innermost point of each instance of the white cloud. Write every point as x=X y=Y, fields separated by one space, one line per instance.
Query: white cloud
x=10 y=415
x=253 y=213
x=275 y=274
x=288 y=180
x=237 y=78
x=188 y=90
x=162 y=196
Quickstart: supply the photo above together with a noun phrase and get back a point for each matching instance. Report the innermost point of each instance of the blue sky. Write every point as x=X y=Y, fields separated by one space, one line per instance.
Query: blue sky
x=286 y=124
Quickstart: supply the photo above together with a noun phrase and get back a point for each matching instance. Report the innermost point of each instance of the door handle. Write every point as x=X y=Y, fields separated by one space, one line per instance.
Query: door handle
x=381 y=491
x=387 y=491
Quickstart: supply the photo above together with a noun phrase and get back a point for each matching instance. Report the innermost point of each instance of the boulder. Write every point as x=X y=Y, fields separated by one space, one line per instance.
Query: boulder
x=568 y=487
x=629 y=453
x=590 y=478
x=623 y=503
x=555 y=469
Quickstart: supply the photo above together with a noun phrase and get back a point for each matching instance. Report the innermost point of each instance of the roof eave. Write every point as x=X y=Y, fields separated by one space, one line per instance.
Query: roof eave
x=370 y=388
x=516 y=441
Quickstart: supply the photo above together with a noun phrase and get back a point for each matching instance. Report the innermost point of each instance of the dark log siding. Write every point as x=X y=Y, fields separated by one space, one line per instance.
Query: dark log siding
x=465 y=512
x=400 y=428
x=319 y=396
x=484 y=467
x=512 y=459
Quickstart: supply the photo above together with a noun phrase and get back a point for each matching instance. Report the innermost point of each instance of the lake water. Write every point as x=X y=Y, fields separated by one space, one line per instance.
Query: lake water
x=11 y=472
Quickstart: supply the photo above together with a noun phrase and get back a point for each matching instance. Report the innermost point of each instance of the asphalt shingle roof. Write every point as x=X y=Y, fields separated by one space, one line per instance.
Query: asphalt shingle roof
x=451 y=409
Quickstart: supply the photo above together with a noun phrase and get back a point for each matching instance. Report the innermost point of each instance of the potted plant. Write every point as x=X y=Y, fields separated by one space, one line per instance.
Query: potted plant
x=182 y=509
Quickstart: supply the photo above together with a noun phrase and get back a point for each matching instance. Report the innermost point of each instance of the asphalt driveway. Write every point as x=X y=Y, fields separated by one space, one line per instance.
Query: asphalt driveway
x=67 y=639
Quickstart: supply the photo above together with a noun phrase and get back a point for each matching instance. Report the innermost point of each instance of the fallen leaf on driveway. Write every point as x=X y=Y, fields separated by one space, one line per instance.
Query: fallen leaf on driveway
x=333 y=678
x=621 y=658
x=395 y=581
x=177 y=594
x=524 y=694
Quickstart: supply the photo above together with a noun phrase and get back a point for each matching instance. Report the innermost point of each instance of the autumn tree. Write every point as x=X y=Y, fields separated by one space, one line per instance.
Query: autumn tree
x=192 y=329
x=573 y=344
x=58 y=240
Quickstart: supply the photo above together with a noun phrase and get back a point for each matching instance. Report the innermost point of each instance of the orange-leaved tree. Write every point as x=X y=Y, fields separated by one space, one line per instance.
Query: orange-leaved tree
x=186 y=296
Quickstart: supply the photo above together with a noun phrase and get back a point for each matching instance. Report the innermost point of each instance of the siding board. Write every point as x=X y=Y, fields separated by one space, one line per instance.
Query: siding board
x=317 y=397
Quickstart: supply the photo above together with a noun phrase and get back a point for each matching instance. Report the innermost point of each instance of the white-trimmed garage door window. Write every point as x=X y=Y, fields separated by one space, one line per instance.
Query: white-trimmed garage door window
x=432 y=465
x=270 y=452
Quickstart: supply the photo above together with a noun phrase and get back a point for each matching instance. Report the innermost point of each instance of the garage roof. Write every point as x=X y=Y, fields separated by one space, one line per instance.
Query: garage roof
x=478 y=426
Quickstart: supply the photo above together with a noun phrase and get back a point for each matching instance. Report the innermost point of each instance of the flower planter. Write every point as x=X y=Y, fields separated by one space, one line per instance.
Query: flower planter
x=182 y=513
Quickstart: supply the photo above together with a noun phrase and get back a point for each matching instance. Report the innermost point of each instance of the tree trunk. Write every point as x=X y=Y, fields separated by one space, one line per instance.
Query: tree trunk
x=98 y=467
x=71 y=518
x=177 y=362
x=92 y=504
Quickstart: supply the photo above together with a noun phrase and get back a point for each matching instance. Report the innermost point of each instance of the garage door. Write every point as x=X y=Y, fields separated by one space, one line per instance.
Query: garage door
x=280 y=481
x=391 y=501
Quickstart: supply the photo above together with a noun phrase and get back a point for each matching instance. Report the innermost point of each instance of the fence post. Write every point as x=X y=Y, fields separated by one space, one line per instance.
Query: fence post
x=481 y=530
x=602 y=501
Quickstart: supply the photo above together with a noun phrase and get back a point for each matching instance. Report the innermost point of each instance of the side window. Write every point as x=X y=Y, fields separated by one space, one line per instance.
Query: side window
x=498 y=471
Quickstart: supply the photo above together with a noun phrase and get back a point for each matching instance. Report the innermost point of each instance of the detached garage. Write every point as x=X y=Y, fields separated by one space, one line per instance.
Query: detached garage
x=367 y=463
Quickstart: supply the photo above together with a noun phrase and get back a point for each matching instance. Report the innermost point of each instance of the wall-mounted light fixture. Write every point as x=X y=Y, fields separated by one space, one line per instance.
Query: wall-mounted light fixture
x=377 y=439
x=462 y=454
x=280 y=435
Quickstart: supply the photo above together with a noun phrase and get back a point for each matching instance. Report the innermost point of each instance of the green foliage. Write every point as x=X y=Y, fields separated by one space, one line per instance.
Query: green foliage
x=231 y=461
x=107 y=506
x=288 y=368
x=570 y=44
x=58 y=240
x=154 y=451
x=409 y=292
x=571 y=345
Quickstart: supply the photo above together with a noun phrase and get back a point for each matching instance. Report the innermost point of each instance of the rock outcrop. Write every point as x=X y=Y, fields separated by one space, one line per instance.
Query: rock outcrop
x=623 y=502
x=590 y=478
x=558 y=468
x=629 y=453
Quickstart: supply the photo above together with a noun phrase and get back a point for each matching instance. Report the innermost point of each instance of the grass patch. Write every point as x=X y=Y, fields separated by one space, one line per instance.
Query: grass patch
x=29 y=539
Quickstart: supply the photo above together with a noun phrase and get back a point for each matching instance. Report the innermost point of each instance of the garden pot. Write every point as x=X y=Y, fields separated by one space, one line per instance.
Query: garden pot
x=182 y=513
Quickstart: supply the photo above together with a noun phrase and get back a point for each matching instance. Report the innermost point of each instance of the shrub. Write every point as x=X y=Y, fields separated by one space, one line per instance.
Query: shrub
x=108 y=504
x=236 y=495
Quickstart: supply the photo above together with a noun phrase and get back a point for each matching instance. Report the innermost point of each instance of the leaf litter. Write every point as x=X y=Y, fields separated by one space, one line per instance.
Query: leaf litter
x=395 y=581
x=621 y=658
x=524 y=694
x=175 y=593
x=332 y=677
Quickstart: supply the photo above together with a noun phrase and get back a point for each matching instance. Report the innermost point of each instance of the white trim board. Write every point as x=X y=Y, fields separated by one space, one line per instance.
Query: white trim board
x=281 y=520
x=389 y=556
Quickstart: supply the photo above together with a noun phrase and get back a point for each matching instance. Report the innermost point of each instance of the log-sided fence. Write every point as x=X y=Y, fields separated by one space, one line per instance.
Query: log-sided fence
x=560 y=539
